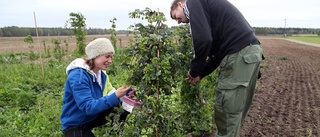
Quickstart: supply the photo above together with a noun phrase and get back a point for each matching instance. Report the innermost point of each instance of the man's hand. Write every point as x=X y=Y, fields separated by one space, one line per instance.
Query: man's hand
x=192 y=80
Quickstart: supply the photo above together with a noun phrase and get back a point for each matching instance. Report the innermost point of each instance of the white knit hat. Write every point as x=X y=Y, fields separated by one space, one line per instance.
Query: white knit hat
x=98 y=47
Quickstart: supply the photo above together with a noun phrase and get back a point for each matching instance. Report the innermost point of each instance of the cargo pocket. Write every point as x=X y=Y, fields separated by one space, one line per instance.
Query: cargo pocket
x=226 y=66
x=246 y=68
x=231 y=98
x=252 y=58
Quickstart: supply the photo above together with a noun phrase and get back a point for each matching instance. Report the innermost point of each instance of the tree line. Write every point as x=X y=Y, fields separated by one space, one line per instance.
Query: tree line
x=14 y=31
x=285 y=31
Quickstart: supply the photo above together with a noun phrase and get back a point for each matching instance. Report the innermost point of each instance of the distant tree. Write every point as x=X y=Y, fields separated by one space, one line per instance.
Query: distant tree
x=7 y=31
x=318 y=33
x=1 y=33
x=22 y=31
x=40 y=31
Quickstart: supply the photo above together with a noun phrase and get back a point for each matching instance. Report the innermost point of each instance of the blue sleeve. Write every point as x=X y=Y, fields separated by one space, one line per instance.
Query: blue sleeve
x=89 y=98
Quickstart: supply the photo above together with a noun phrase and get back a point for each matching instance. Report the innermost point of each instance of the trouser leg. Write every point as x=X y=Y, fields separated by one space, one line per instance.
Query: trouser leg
x=234 y=93
x=86 y=129
x=251 y=91
x=100 y=120
x=78 y=131
x=228 y=118
x=124 y=115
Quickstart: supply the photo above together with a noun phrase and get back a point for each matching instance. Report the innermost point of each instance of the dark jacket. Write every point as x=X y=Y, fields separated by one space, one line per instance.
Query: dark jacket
x=218 y=29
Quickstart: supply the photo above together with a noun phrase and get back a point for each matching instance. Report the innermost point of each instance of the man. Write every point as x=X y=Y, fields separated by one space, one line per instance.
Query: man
x=222 y=36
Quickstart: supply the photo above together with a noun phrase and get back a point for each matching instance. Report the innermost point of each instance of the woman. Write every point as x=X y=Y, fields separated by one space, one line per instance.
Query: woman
x=84 y=106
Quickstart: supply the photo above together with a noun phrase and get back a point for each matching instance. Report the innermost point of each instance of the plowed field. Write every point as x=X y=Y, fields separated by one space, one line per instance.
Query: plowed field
x=287 y=100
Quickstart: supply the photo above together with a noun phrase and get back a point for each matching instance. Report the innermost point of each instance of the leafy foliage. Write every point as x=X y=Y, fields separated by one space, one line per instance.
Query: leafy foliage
x=196 y=99
x=30 y=105
x=46 y=49
x=58 y=51
x=160 y=58
x=32 y=54
x=113 y=33
x=78 y=22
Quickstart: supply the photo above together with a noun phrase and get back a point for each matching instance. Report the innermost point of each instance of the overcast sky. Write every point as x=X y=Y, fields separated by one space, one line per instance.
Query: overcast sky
x=98 y=13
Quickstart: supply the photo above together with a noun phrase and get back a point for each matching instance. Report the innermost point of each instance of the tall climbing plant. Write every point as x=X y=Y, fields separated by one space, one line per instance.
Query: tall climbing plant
x=78 y=23
x=113 y=33
x=152 y=52
x=159 y=63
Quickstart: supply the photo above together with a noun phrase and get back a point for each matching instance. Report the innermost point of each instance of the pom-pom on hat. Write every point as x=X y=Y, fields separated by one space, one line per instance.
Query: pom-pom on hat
x=98 y=47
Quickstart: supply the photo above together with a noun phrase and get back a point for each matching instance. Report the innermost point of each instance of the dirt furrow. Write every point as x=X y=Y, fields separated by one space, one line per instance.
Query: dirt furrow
x=287 y=101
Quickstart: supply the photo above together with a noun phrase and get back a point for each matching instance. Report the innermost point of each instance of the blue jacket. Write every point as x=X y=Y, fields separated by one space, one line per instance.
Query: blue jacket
x=83 y=97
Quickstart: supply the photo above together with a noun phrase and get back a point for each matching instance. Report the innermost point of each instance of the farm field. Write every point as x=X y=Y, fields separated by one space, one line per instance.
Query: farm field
x=287 y=99
x=16 y=44
x=306 y=38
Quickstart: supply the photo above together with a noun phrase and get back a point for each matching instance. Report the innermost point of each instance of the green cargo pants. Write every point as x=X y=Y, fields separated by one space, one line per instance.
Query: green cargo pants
x=236 y=84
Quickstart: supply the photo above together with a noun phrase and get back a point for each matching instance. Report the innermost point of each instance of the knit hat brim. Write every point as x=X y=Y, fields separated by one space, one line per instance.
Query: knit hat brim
x=99 y=47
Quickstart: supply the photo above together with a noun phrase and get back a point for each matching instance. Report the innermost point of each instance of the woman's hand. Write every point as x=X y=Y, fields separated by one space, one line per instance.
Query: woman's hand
x=131 y=93
x=122 y=91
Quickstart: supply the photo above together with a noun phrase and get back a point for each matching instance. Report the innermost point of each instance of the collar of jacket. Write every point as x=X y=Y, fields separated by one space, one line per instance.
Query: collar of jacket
x=185 y=10
x=96 y=78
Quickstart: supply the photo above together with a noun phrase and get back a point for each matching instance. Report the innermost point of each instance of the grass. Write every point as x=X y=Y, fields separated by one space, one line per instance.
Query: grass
x=306 y=38
x=30 y=104
x=283 y=58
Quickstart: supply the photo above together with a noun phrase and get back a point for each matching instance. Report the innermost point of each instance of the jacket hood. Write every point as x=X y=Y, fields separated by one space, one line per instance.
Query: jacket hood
x=77 y=63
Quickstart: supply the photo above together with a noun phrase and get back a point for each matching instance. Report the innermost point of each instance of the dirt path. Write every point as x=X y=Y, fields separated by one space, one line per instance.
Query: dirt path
x=287 y=101
x=304 y=43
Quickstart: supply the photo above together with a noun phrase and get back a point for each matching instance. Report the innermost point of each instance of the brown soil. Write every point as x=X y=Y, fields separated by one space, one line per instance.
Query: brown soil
x=16 y=44
x=287 y=100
